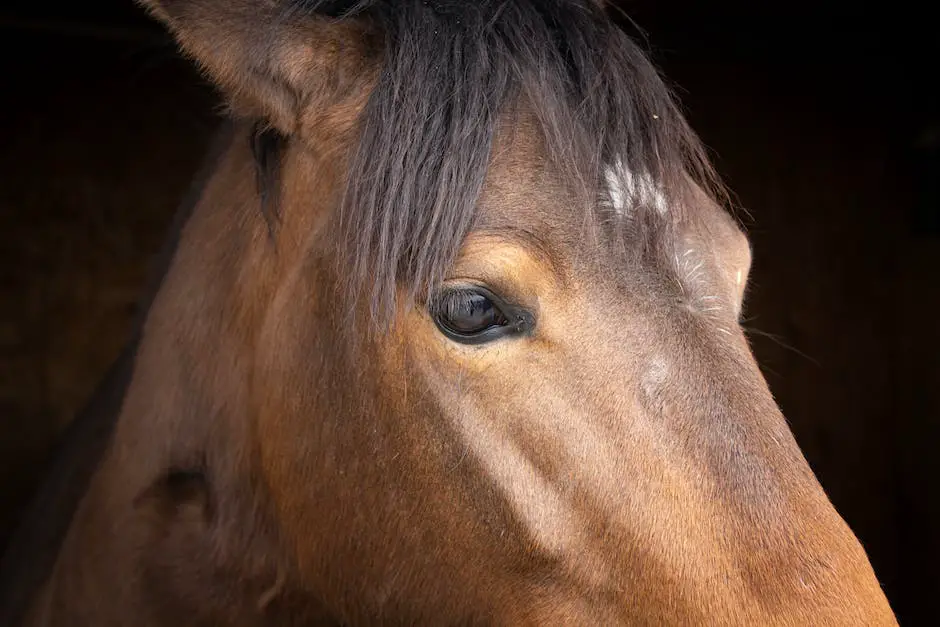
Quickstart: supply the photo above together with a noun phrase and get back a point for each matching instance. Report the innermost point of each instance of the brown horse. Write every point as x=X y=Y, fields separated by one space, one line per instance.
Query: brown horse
x=450 y=337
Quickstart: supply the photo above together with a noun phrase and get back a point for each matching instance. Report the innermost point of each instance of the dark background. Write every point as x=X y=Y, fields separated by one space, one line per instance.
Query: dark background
x=825 y=123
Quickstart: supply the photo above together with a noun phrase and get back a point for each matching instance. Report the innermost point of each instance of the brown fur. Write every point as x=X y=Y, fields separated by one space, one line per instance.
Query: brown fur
x=625 y=464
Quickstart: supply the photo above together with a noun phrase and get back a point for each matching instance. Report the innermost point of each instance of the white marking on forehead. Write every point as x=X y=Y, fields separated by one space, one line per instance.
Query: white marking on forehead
x=627 y=188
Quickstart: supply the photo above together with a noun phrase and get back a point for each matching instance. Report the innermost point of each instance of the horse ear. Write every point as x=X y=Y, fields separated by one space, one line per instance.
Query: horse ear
x=270 y=59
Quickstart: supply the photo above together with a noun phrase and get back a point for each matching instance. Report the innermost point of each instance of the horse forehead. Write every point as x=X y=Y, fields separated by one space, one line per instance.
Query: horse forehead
x=525 y=194
x=526 y=191
x=524 y=184
x=623 y=189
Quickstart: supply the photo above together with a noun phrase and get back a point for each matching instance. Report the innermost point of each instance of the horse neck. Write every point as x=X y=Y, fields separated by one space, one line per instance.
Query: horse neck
x=192 y=367
x=186 y=400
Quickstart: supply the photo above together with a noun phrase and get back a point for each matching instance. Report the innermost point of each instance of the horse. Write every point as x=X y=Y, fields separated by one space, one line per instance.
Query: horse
x=449 y=334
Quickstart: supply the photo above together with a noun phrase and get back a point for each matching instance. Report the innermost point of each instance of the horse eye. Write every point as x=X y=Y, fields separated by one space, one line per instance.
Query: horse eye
x=474 y=315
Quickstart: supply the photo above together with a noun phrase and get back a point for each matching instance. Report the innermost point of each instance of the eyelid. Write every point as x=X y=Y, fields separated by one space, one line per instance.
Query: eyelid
x=469 y=288
x=463 y=296
x=493 y=288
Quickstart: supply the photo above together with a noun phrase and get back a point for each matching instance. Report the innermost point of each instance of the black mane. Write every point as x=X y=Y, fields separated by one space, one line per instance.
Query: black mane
x=450 y=68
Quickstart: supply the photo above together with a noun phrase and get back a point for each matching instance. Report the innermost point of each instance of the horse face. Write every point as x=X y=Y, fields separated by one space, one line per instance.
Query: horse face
x=600 y=418
x=568 y=426
x=581 y=426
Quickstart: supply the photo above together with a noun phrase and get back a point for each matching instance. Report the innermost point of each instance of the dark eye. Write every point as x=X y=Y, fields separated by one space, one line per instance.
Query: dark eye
x=474 y=315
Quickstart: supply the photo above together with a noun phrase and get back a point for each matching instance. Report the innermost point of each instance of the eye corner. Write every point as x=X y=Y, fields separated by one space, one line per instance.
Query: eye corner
x=523 y=321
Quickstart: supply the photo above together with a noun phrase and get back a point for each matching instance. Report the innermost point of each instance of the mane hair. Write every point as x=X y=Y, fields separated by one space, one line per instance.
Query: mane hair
x=451 y=67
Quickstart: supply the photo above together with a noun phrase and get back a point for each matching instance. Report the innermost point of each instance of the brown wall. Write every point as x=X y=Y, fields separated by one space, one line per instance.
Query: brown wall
x=104 y=134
